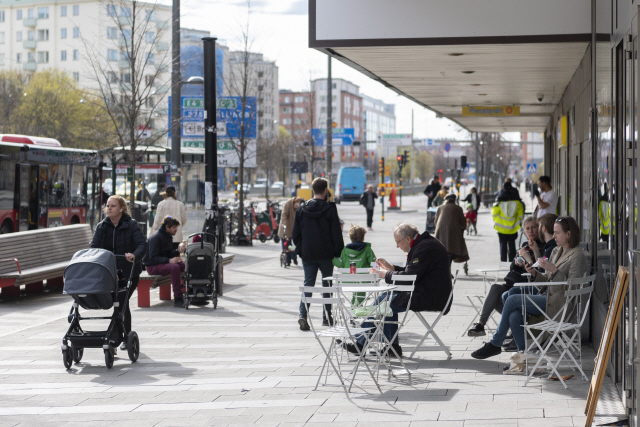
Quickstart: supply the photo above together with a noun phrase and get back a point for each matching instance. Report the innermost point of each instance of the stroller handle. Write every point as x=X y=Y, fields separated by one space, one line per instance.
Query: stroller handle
x=132 y=269
x=202 y=240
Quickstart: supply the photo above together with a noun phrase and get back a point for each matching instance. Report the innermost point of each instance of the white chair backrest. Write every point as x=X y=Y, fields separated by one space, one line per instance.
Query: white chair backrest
x=319 y=290
x=356 y=280
x=348 y=271
x=504 y=265
x=404 y=283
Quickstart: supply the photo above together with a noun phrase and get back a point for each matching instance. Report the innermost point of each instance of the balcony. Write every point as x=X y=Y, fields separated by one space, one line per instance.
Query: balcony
x=29 y=22
x=162 y=25
x=162 y=46
x=124 y=64
x=124 y=20
x=29 y=66
x=29 y=44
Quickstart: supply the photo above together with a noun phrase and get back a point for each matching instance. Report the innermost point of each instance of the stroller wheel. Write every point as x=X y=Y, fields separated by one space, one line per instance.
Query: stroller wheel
x=133 y=346
x=108 y=358
x=77 y=353
x=466 y=269
x=186 y=305
x=67 y=357
x=215 y=302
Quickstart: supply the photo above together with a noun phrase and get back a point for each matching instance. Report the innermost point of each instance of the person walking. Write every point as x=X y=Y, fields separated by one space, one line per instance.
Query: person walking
x=318 y=239
x=507 y=213
x=439 y=199
x=173 y=208
x=546 y=197
x=450 y=227
x=473 y=198
x=121 y=234
x=285 y=228
x=431 y=190
x=368 y=200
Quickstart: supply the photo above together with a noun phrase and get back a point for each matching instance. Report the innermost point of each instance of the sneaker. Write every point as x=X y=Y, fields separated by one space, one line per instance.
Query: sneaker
x=123 y=347
x=304 y=326
x=369 y=229
x=511 y=347
x=476 y=331
x=351 y=348
x=508 y=337
x=507 y=342
x=488 y=350
x=295 y=261
x=178 y=302
x=328 y=322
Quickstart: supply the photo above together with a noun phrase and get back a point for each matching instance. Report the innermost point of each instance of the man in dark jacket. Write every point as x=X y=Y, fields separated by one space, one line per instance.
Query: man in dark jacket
x=318 y=239
x=163 y=260
x=428 y=259
x=368 y=200
x=432 y=189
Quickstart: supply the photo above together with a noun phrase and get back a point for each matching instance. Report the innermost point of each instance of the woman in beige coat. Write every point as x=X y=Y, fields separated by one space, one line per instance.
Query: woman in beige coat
x=450 y=226
x=567 y=261
x=170 y=206
x=286 y=224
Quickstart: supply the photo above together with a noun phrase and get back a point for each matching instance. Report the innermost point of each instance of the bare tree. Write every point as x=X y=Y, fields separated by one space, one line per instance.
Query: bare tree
x=132 y=79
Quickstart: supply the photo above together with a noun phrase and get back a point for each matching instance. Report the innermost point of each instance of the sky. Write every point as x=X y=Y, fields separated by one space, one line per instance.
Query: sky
x=280 y=29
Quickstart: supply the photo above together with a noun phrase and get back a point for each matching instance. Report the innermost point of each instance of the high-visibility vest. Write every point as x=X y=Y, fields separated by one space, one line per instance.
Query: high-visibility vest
x=507 y=216
x=604 y=215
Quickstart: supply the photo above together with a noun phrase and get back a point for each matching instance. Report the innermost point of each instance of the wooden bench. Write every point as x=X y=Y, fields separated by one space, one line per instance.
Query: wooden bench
x=30 y=257
x=148 y=282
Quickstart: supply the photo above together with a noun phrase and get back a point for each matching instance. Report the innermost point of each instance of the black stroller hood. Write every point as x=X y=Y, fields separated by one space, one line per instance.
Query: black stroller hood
x=91 y=272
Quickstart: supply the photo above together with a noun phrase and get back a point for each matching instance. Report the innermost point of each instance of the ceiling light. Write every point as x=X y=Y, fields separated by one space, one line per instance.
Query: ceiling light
x=456 y=54
x=467 y=72
x=475 y=84
x=482 y=94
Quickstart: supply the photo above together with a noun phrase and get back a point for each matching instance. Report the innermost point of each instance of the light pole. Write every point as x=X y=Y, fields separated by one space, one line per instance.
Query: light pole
x=176 y=100
x=210 y=139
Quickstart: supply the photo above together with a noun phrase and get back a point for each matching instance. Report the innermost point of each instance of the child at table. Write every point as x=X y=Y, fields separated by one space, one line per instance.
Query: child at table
x=357 y=251
x=471 y=217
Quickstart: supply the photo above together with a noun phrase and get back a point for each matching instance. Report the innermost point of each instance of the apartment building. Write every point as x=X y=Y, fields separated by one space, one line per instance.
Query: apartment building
x=378 y=117
x=347 y=109
x=297 y=112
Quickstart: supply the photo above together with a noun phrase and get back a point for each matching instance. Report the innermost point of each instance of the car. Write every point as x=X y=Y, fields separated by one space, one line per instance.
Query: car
x=352 y=182
x=277 y=185
x=246 y=187
x=260 y=183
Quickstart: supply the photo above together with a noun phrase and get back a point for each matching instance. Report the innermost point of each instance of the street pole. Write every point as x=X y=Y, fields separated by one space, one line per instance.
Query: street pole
x=413 y=156
x=210 y=139
x=176 y=100
x=329 y=123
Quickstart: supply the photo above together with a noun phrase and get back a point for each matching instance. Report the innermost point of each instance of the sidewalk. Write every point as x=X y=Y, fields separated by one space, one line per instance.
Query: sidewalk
x=247 y=363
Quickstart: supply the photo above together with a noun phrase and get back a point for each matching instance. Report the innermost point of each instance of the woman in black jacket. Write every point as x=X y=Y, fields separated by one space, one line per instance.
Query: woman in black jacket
x=120 y=234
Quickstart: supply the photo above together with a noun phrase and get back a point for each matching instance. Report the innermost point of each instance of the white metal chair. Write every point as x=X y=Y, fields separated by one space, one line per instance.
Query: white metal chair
x=431 y=328
x=341 y=330
x=562 y=332
x=503 y=267
x=348 y=270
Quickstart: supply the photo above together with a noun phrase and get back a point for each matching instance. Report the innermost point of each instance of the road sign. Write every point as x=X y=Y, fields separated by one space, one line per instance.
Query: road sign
x=387 y=170
x=396 y=140
x=339 y=136
x=429 y=142
x=299 y=167
x=532 y=168
x=447 y=147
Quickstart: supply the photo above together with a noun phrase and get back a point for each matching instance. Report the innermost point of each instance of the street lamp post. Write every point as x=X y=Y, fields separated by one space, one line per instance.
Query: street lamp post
x=210 y=139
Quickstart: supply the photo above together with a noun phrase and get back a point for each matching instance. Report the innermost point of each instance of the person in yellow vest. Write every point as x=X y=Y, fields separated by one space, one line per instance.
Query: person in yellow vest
x=507 y=213
x=604 y=213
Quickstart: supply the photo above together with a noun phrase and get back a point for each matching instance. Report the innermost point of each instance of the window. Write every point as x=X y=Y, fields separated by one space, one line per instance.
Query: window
x=125 y=11
x=287 y=100
x=1 y=15
x=76 y=55
x=63 y=55
x=125 y=77
x=126 y=34
x=149 y=79
x=151 y=58
x=31 y=57
x=2 y=38
x=297 y=99
x=43 y=57
x=111 y=10
x=149 y=36
x=76 y=10
x=43 y=13
x=150 y=15
x=323 y=99
x=19 y=36
x=76 y=32
x=43 y=35
x=31 y=35
x=112 y=55
x=63 y=10
x=286 y=121
x=76 y=75
x=124 y=56
x=112 y=33
x=298 y=110
x=19 y=14
x=63 y=33
x=286 y=110
x=112 y=77
x=149 y=102
x=19 y=58
x=30 y=13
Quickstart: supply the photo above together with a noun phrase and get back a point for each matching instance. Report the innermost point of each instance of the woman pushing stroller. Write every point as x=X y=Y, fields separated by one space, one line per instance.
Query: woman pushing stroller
x=120 y=234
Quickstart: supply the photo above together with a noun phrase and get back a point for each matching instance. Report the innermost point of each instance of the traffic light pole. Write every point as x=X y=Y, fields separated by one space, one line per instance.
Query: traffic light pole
x=382 y=186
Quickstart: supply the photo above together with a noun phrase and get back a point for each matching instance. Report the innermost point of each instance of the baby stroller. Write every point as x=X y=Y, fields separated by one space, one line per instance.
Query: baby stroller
x=285 y=256
x=201 y=268
x=431 y=220
x=91 y=279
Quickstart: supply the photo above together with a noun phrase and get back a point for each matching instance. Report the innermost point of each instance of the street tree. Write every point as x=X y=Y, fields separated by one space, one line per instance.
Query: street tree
x=132 y=79
x=12 y=84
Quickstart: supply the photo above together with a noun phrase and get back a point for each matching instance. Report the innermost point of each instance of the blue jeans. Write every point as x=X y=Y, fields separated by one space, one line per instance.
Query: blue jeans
x=516 y=290
x=310 y=269
x=389 y=328
x=512 y=318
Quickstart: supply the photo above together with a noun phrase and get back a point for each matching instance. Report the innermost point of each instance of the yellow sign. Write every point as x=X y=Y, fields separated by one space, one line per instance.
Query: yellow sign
x=482 y=111
x=387 y=170
x=561 y=132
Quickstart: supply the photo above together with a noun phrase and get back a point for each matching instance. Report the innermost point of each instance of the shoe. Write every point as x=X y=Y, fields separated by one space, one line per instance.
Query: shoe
x=511 y=347
x=476 y=331
x=123 y=347
x=369 y=229
x=488 y=350
x=328 y=322
x=178 y=302
x=507 y=342
x=304 y=326
x=475 y=232
x=353 y=348
x=508 y=337
x=295 y=261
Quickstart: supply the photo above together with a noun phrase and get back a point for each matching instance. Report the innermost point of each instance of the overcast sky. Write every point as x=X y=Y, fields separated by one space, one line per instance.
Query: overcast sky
x=281 y=32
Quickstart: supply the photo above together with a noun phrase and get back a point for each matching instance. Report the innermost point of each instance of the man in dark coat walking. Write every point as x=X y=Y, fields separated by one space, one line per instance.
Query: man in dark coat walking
x=368 y=200
x=318 y=239
x=432 y=189
x=428 y=259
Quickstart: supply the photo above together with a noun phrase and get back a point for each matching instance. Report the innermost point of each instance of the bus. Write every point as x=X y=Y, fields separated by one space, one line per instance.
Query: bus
x=43 y=184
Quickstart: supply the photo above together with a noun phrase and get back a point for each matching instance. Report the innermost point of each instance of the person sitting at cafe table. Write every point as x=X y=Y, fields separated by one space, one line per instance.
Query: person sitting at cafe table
x=428 y=259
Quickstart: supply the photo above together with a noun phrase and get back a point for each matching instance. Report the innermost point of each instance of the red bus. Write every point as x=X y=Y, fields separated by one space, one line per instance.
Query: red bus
x=43 y=184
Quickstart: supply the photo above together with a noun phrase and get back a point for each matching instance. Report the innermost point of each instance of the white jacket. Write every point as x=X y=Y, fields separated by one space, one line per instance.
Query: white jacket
x=175 y=209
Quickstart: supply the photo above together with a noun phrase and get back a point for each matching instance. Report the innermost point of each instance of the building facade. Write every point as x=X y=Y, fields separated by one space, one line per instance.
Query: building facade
x=347 y=110
x=378 y=118
x=297 y=112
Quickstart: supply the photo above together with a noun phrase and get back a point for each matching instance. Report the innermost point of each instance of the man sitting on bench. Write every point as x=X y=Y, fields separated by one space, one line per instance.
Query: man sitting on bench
x=162 y=260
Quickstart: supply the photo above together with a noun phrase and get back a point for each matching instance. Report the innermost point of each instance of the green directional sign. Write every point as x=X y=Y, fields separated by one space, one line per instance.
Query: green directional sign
x=193 y=102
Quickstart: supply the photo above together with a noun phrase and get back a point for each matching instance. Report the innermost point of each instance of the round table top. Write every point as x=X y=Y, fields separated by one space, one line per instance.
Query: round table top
x=384 y=288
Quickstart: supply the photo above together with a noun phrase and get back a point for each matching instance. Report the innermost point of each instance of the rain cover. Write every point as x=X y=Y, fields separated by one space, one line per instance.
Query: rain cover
x=91 y=271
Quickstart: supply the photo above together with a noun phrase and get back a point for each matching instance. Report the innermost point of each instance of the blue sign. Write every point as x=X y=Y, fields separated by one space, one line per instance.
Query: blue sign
x=532 y=168
x=447 y=147
x=229 y=117
x=346 y=135
x=430 y=141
